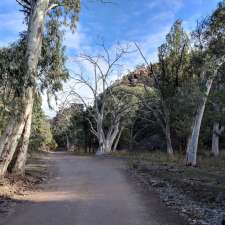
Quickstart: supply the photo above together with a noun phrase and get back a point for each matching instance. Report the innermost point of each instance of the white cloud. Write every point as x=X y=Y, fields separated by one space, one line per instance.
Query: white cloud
x=45 y=107
x=10 y=26
x=152 y=5
x=166 y=4
x=73 y=40
x=80 y=42
x=76 y=42
x=148 y=44
x=175 y=4
x=167 y=16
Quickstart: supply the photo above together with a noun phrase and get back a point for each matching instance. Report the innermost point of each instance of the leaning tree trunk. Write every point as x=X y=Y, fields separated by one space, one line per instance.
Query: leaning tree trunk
x=6 y=135
x=117 y=139
x=111 y=137
x=34 y=44
x=192 y=146
x=10 y=147
x=19 y=166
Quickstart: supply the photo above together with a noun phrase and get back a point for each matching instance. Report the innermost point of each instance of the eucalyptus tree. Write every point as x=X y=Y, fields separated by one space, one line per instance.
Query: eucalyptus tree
x=79 y=129
x=218 y=127
x=41 y=138
x=107 y=102
x=208 y=57
x=40 y=14
x=215 y=111
x=11 y=79
x=51 y=73
x=62 y=124
x=166 y=77
x=122 y=103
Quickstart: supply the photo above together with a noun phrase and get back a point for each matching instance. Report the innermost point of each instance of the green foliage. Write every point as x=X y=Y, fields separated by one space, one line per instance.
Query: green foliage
x=66 y=11
x=80 y=135
x=41 y=136
x=173 y=60
x=60 y=125
x=120 y=100
x=52 y=72
x=71 y=126
x=170 y=90
x=11 y=79
x=11 y=74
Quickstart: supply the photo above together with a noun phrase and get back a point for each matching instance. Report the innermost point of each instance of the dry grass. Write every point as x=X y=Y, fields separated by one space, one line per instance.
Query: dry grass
x=207 y=162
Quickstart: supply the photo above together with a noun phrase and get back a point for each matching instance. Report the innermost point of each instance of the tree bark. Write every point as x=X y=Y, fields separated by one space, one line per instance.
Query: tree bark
x=19 y=166
x=168 y=140
x=192 y=146
x=101 y=141
x=217 y=131
x=106 y=140
x=6 y=135
x=34 y=44
x=11 y=145
x=67 y=143
x=131 y=139
x=215 y=139
x=117 y=139
x=166 y=128
x=111 y=136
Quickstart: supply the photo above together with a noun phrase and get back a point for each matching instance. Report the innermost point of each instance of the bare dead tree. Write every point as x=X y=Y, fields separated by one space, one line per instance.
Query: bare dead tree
x=109 y=103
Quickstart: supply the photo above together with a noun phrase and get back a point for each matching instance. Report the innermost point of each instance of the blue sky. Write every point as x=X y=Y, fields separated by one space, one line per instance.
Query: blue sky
x=144 y=21
x=126 y=21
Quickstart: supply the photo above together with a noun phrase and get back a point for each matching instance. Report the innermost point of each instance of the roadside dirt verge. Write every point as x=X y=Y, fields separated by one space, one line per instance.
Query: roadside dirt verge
x=12 y=187
x=195 y=193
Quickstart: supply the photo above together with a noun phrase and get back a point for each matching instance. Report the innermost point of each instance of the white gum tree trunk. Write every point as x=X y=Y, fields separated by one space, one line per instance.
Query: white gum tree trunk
x=19 y=166
x=215 y=139
x=67 y=143
x=165 y=125
x=11 y=145
x=101 y=139
x=6 y=135
x=111 y=137
x=217 y=131
x=117 y=139
x=107 y=140
x=192 y=145
x=34 y=44
x=168 y=140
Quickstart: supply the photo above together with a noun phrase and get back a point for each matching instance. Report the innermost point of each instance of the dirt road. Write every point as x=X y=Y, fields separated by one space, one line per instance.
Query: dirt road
x=91 y=191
